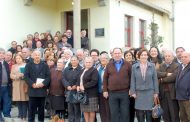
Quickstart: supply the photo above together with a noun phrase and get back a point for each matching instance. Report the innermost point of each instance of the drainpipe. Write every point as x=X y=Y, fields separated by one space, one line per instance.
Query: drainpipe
x=173 y=24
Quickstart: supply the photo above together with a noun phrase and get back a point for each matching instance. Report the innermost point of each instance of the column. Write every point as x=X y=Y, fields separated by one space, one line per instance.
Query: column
x=77 y=23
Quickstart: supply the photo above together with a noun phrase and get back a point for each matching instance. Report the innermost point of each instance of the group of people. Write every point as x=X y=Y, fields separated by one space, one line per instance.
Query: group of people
x=119 y=85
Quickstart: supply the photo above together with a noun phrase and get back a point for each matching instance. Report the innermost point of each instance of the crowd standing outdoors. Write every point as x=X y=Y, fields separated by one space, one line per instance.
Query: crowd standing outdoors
x=120 y=85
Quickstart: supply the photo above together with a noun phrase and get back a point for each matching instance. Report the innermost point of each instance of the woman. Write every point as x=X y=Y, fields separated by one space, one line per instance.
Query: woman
x=70 y=76
x=144 y=86
x=129 y=57
x=18 y=48
x=56 y=89
x=20 y=88
x=103 y=102
x=156 y=58
x=89 y=83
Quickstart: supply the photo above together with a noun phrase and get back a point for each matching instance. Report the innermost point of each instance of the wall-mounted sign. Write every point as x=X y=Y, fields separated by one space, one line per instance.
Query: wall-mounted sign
x=99 y=32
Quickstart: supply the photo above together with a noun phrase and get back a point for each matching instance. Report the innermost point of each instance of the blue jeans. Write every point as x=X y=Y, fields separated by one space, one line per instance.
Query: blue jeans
x=5 y=101
x=119 y=106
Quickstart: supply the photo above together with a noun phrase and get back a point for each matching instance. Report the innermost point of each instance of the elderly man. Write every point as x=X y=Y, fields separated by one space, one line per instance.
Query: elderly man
x=5 y=87
x=80 y=55
x=84 y=40
x=9 y=58
x=26 y=55
x=167 y=77
x=116 y=86
x=37 y=76
x=183 y=87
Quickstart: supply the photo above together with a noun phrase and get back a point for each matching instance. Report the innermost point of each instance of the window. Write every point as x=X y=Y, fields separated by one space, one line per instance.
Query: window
x=128 y=31
x=141 y=32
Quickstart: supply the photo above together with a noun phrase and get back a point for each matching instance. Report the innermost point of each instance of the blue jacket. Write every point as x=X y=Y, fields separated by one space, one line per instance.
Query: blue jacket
x=183 y=84
x=138 y=83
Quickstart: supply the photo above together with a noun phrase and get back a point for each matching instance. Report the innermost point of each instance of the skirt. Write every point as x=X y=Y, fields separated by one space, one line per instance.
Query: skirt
x=92 y=106
x=57 y=102
x=144 y=100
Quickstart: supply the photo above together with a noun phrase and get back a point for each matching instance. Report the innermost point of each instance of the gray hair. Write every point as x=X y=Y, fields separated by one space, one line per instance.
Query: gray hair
x=104 y=55
x=68 y=51
x=2 y=50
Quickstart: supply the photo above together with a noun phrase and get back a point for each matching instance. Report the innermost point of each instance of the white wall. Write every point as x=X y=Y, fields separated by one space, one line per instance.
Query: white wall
x=117 y=12
x=18 y=20
x=182 y=24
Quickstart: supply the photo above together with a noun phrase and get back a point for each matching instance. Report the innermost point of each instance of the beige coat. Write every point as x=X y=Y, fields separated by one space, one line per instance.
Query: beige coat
x=20 y=88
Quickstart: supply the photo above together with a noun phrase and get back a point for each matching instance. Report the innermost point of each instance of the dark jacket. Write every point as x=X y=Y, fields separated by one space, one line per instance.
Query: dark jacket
x=12 y=50
x=90 y=82
x=31 y=75
x=117 y=81
x=168 y=82
x=183 y=83
x=8 y=76
x=56 y=84
x=70 y=75
x=84 y=43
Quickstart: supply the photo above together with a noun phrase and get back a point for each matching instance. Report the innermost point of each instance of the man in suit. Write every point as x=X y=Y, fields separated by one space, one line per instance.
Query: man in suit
x=167 y=77
x=5 y=87
x=37 y=76
x=26 y=55
x=183 y=87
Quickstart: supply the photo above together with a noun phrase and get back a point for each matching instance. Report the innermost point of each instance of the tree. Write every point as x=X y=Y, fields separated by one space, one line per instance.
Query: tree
x=154 y=39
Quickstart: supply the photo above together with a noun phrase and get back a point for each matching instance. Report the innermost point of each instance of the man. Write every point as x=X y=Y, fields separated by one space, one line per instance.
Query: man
x=39 y=47
x=9 y=59
x=70 y=37
x=26 y=55
x=5 y=87
x=80 y=55
x=183 y=87
x=13 y=47
x=94 y=53
x=63 y=42
x=167 y=77
x=84 y=40
x=179 y=51
x=116 y=86
x=37 y=76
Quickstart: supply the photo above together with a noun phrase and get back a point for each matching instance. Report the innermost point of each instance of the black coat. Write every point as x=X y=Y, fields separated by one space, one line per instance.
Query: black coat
x=71 y=75
x=31 y=74
x=90 y=82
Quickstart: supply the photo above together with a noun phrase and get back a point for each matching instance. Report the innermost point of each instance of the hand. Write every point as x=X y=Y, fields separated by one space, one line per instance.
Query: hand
x=74 y=87
x=34 y=85
x=134 y=95
x=169 y=74
x=155 y=96
x=69 y=88
x=21 y=75
x=105 y=94
x=40 y=85
x=78 y=88
x=81 y=88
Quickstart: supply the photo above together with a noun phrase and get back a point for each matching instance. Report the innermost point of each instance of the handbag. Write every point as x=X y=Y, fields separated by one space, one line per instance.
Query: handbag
x=81 y=97
x=70 y=96
x=157 y=111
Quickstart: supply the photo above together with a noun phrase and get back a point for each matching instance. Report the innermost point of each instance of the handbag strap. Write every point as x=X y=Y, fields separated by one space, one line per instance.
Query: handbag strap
x=156 y=101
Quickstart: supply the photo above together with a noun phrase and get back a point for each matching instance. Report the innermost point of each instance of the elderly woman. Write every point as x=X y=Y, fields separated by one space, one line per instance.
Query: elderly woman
x=70 y=76
x=20 y=87
x=56 y=89
x=144 y=86
x=103 y=102
x=89 y=83
x=67 y=55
